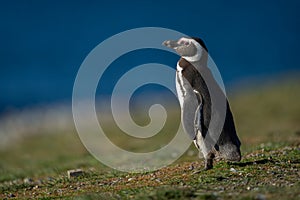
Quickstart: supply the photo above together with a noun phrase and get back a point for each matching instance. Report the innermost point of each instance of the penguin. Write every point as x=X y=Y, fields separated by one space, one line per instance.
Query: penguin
x=200 y=98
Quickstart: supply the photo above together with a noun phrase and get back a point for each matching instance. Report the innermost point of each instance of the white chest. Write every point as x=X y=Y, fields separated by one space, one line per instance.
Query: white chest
x=180 y=85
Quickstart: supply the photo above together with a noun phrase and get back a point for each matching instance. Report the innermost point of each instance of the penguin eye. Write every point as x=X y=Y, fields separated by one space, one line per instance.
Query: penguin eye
x=184 y=42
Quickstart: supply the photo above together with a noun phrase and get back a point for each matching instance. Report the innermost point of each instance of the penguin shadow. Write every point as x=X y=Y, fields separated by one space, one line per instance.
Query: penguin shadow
x=243 y=164
x=255 y=162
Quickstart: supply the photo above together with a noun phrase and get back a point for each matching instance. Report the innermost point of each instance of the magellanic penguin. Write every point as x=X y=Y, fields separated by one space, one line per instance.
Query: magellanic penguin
x=202 y=102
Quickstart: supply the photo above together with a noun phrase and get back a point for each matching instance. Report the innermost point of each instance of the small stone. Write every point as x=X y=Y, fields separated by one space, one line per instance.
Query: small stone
x=233 y=170
x=114 y=182
x=27 y=180
x=75 y=173
x=130 y=179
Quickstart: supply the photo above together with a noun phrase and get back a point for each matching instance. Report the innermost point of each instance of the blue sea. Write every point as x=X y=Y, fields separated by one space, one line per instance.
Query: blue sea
x=43 y=44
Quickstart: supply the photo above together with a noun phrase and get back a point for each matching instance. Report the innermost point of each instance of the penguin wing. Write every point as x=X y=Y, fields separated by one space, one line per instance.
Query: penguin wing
x=189 y=105
x=198 y=113
x=189 y=114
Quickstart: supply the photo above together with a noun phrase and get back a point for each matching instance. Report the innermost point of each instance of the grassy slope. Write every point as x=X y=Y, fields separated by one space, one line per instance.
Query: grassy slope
x=268 y=124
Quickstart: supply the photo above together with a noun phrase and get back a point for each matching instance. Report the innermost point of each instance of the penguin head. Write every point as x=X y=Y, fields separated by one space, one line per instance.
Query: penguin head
x=191 y=49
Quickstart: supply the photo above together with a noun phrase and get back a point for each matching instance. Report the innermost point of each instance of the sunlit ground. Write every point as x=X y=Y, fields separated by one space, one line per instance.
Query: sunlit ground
x=35 y=163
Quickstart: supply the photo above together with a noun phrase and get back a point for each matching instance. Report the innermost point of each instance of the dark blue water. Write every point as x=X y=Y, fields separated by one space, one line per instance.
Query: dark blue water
x=42 y=44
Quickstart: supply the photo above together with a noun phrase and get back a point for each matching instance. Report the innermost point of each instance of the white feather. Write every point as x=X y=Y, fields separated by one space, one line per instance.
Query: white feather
x=179 y=85
x=198 y=55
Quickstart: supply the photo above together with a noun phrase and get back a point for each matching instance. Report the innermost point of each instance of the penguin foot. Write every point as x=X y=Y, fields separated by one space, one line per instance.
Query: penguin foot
x=209 y=161
x=208 y=164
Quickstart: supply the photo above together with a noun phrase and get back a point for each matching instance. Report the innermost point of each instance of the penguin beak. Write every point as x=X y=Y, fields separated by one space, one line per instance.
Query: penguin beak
x=182 y=46
x=173 y=44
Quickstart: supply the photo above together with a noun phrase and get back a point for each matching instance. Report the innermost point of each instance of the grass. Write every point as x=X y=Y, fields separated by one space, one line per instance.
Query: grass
x=268 y=125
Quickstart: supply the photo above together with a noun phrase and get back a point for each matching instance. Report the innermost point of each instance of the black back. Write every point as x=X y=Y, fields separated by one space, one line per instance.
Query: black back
x=201 y=42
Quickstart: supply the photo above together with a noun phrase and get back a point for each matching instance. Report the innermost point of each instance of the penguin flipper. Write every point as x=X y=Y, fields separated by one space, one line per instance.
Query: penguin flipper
x=198 y=113
x=188 y=109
